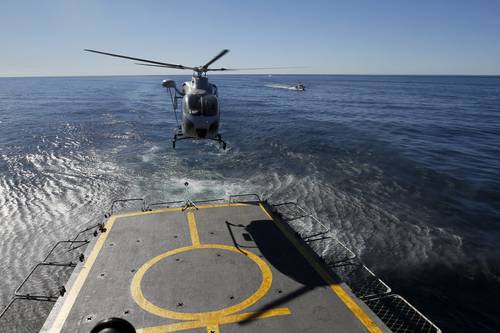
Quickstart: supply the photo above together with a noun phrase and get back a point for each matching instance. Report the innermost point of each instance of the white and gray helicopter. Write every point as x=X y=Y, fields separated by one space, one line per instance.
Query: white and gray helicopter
x=200 y=100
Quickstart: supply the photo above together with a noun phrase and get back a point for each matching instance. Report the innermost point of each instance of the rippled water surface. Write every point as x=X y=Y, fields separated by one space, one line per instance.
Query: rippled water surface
x=405 y=169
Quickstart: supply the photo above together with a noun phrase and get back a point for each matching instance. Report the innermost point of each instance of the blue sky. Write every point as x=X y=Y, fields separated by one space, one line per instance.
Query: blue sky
x=327 y=37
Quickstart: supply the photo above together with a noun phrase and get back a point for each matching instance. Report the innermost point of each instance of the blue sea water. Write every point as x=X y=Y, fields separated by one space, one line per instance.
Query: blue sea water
x=405 y=169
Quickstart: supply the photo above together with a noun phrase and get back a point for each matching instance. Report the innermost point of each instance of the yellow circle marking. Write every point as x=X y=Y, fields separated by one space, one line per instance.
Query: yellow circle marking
x=209 y=316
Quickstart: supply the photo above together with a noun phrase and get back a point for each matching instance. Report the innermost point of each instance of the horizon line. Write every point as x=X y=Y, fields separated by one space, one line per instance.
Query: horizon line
x=251 y=74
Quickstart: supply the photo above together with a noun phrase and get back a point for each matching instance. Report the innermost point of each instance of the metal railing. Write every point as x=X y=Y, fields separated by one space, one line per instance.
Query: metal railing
x=93 y=228
x=396 y=312
x=207 y=201
x=292 y=213
x=362 y=281
x=241 y=196
x=67 y=263
x=145 y=206
x=49 y=294
x=81 y=243
x=166 y=204
x=44 y=283
x=25 y=315
x=121 y=201
x=287 y=207
x=399 y=315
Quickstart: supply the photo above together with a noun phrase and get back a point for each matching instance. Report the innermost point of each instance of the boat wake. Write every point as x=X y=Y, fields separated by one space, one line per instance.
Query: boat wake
x=283 y=86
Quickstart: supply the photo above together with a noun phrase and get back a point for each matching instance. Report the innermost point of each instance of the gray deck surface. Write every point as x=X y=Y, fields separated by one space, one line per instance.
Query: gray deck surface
x=217 y=269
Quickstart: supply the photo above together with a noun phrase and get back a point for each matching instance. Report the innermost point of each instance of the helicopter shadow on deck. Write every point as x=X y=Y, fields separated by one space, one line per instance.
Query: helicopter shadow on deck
x=282 y=255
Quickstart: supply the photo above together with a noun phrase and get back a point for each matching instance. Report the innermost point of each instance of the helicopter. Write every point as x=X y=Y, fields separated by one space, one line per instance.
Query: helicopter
x=199 y=99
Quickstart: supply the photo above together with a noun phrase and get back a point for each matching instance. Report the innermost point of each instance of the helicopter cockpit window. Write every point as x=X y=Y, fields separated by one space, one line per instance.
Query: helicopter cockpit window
x=194 y=104
x=210 y=105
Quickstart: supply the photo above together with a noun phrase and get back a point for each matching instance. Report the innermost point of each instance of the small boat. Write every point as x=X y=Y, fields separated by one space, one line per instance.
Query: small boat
x=300 y=87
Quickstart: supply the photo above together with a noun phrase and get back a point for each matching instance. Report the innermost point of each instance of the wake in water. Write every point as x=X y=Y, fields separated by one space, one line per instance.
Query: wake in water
x=284 y=86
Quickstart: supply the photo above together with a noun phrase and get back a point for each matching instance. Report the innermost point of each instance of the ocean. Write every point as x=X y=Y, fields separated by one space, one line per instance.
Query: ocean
x=405 y=170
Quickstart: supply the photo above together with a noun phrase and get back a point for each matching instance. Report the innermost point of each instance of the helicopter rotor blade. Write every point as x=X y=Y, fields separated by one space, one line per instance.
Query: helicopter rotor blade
x=248 y=69
x=163 y=64
x=214 y=59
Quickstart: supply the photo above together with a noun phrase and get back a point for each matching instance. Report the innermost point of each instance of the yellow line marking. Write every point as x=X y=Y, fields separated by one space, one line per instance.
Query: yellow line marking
x=222 y=205
x=236 y=318
x=213 y=329
x=70 y=298
x=178 y=209
x=187 y=325
x=335 y=287
x=209 y=316
x=193 y=230
x=255 y=315
x=156 y=211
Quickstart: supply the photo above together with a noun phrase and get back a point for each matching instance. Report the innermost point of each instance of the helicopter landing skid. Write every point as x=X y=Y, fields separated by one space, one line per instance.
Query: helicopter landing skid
x=180 y=136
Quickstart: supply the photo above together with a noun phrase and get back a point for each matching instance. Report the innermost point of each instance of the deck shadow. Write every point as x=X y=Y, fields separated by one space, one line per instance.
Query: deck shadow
x=281 y=254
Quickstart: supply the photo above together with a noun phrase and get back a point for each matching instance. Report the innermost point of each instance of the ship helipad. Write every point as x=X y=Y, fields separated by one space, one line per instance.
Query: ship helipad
x=214 y=268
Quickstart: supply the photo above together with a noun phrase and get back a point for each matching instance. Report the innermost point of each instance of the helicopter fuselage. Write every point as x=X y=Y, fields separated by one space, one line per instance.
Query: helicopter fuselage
x=200 y=109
